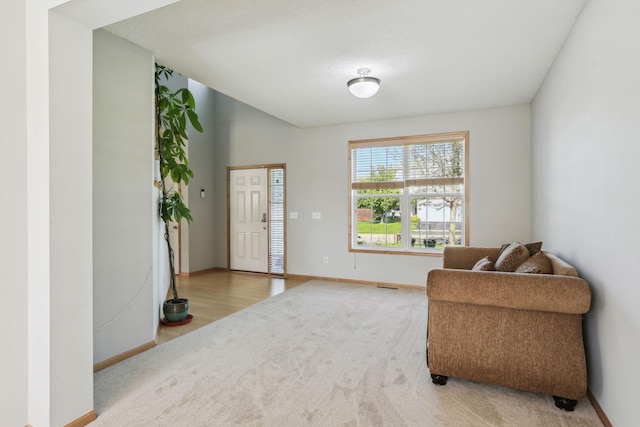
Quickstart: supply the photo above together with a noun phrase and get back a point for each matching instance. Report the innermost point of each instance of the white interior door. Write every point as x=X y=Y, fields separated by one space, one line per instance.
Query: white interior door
x=248 y=220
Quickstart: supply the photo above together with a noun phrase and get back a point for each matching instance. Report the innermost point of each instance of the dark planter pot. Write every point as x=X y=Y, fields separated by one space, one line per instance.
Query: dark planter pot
x=175 y=310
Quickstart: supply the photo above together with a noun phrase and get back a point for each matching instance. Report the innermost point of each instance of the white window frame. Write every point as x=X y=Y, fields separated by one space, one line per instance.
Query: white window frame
x=404 y=183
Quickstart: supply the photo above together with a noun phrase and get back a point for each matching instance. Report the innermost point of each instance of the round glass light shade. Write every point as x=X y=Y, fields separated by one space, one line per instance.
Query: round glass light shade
x=364 y=87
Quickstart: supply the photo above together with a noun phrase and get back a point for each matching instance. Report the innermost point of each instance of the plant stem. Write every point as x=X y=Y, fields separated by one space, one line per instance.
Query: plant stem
x=172 y=269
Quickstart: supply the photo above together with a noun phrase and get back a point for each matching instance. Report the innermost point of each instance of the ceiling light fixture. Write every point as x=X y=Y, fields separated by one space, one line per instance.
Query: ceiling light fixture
x=363 y=86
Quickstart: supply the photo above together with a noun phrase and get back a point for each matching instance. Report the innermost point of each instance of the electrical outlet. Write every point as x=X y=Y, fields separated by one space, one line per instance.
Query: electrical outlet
x=326 y=260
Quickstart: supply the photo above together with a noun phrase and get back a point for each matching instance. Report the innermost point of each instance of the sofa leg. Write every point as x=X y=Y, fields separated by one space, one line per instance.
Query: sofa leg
x=566 y=404
x=439 y=379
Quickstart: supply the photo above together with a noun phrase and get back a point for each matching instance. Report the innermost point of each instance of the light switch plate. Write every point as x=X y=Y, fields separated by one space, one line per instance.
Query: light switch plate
x=316 y=215
x=293 y=215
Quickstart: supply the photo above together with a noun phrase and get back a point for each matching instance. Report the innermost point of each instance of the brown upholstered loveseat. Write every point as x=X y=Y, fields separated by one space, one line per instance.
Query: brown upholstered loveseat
x=516 y=330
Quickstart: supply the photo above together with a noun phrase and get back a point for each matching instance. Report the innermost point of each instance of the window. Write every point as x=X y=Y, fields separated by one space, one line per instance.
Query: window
x=408 y=194
x=276 y=220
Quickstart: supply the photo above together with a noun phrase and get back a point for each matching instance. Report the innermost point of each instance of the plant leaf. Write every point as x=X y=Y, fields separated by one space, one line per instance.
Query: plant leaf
x=193 y=118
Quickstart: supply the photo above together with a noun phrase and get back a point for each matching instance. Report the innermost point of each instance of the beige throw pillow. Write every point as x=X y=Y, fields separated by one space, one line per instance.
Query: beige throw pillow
x=537 y=264
x=510 y=258
x=484 y=265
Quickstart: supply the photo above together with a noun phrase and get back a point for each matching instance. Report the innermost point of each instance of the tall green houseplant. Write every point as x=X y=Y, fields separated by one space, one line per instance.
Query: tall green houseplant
x=173 y=110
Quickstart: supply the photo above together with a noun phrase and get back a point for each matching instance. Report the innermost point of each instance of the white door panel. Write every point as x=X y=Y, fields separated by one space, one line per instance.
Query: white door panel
x=248 y=220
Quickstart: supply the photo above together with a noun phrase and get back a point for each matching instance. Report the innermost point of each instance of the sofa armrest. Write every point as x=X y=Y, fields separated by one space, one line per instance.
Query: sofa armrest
x=465 y=257
x=538 y=292
x=560 y=266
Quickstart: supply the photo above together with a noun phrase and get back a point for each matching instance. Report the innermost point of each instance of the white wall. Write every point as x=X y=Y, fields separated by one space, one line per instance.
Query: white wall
x=38 y=388
x=13 y=215
x=200 y=252
x=585 y=152
x=124 y=198
x=70 y=129
x=316 y=161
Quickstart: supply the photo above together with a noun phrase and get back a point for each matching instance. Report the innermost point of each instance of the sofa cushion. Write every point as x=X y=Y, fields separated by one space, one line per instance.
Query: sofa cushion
x=537 y=264
x=511 y=257
x=485 y=264
x=533 y=248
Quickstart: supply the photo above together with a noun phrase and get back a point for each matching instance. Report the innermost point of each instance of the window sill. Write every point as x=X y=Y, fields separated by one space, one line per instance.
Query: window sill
x=423 y=252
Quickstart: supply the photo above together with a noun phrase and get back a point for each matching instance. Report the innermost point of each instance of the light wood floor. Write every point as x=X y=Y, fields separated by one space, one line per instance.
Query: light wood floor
x=215 y=295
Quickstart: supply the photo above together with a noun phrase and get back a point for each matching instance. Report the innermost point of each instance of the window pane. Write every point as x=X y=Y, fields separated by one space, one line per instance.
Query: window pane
x=417 y=156
x=444 y=220
x=379 y=222
x=365 y=218
x=377 y=164
x=419 y=222
x=276 y=221
x=444 y=160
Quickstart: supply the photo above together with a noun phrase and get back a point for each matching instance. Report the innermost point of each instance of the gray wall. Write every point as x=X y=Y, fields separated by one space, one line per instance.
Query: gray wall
x=200 y=248
x=585 y=208
x=316 y=161
x=124 y=198
x=130 y=261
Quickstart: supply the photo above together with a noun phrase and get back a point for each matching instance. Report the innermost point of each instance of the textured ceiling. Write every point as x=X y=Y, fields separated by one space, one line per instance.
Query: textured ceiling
x=293 y=58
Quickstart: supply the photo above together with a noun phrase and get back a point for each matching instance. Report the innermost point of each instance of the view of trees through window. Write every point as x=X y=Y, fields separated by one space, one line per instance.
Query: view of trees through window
x=408 y=194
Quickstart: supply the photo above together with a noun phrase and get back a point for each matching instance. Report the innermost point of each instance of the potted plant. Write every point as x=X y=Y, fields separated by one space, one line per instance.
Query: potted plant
x=173 y=109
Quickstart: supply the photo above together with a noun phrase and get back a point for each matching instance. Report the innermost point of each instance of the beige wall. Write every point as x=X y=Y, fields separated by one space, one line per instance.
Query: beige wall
x=585 y=188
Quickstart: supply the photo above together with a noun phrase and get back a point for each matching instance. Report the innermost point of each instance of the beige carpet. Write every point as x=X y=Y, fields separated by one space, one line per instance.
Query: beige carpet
x=321 y=354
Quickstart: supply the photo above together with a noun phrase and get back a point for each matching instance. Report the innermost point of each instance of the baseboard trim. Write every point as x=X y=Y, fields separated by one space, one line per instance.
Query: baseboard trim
x=355 y=281
x=199 y=272
x=603 y=417
x=306 y=277
x=122 y=356
x=83 y=420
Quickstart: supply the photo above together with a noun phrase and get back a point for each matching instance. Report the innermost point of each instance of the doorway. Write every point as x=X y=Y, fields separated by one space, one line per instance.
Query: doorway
x=256 y=207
